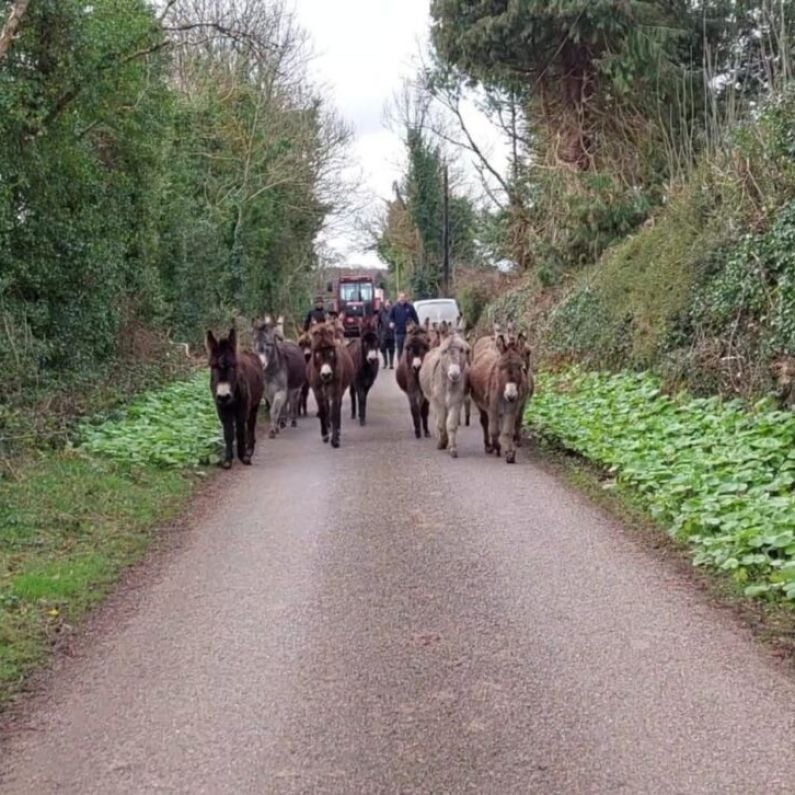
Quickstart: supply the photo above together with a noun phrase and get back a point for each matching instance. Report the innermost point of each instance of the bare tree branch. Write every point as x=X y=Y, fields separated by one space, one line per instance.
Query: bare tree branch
x=15 y=14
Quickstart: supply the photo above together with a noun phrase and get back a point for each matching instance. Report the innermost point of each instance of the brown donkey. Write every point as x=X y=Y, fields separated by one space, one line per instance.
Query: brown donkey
x=237 y=384
x=501 y=386
x=408 y=376
x=330 y=372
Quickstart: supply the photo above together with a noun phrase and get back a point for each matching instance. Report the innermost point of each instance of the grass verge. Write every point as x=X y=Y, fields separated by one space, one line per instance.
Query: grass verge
x=72 y=520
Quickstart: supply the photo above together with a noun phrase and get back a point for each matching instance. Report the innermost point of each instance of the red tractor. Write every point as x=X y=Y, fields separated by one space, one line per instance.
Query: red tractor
x=357 y=299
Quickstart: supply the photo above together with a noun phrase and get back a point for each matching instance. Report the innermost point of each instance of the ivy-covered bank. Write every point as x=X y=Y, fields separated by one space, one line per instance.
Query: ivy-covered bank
x=719 y=475
x=72 y=520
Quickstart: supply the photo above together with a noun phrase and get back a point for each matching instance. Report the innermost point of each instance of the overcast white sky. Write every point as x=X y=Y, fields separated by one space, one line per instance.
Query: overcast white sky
x=363 y=50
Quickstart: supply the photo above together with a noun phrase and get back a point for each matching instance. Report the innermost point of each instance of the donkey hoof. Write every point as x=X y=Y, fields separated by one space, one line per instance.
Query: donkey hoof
x=441 y=444
x=226 y=464
x=335 y=442
x=362 y=422
x=272 y=433
x=510 y=457
x=246 y=460
x=489 y=449
x=427 y=434
x=417 y=435
x=325 y=439
x=293 y=423
x=453 y=453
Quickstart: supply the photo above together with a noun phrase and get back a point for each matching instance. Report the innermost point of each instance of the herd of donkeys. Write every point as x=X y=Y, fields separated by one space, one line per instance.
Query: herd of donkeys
x=440 y=371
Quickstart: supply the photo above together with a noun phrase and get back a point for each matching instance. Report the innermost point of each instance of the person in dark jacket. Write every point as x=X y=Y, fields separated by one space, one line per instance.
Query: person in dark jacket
x=318 y=313
x=401 y=313
x=386 y=335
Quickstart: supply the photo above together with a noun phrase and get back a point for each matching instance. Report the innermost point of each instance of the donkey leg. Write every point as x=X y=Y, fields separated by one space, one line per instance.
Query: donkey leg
x=302 y=409
x=441 y=429
x=415 y=416
x=279 y=399
x=484 y=423
x=322 y=413
x=252 y=431
x=467 y=409
x=353 y=402
x=494 y=432
x=425 y=408
x=242 y=436
x=507 y=432
x=336 y=420
x=362 y=406
x=228 y=422
x=453 y=421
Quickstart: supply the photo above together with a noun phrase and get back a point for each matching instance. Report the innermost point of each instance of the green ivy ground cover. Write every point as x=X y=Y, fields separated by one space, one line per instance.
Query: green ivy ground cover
x=718 y=474
x=173 y=427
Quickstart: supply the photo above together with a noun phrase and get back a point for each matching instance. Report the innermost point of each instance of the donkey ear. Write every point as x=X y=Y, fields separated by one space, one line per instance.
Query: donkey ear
x=502 y=346
x=210 y=342
x=233 y=337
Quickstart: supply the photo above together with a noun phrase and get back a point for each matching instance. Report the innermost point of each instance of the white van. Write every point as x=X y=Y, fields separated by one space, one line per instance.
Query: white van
x=437 y=309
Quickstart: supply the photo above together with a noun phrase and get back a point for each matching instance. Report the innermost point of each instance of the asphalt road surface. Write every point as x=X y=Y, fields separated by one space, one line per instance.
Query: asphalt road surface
x=383 y=619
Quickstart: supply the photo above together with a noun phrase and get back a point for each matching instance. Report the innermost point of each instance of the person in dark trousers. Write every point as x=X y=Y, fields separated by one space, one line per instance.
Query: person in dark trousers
x=399 y=316
x=386 y=335
x=318 y=313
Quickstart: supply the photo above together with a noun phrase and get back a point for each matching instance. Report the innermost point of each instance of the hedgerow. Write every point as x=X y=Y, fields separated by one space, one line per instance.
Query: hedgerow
x=719 y=475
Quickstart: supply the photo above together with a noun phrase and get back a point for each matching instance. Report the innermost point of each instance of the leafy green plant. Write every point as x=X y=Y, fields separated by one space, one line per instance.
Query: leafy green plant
x=172 y=427
x=718 y=474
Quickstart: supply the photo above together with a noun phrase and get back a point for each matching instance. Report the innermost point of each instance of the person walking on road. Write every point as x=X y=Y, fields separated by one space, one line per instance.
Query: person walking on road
x=399 y=316
x=386 y=335
x=318 y=313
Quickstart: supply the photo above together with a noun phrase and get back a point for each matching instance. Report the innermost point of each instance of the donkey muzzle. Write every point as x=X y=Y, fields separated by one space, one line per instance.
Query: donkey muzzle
x=326 y=373
x=372 y=356
x=511 y=392
x=454 y=373
x=416 y=362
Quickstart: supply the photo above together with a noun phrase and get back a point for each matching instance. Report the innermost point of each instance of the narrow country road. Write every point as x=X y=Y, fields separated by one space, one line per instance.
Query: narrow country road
x=382 y=619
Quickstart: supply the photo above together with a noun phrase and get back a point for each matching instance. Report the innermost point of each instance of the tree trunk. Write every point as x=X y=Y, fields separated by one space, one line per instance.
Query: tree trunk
x=576 y=88
x=18 y=9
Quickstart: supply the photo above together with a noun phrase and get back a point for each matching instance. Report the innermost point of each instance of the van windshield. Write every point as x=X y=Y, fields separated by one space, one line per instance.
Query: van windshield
x=437 y=310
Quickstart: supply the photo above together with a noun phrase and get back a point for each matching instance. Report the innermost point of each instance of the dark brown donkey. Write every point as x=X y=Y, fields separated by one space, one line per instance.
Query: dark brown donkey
x=408 y=376
x=501 y=386
x=330 y=374
x=305 y=344
x=364 y=352
x=236 y=383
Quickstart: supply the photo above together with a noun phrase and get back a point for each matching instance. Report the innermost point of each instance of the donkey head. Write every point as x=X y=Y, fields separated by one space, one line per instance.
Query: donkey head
x=324 y=350
x=512 y=369
x=454 y=356
x=305 y=344
x=222 y=359
x=267 y=335
x=369 y=341
x=416 y=346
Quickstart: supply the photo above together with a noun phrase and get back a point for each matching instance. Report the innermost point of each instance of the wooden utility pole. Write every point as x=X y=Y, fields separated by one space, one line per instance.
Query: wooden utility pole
x=446 y=239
